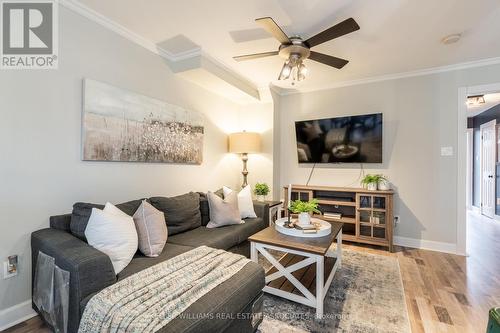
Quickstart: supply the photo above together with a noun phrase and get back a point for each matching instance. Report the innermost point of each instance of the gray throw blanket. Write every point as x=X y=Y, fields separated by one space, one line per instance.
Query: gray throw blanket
x=148 y=300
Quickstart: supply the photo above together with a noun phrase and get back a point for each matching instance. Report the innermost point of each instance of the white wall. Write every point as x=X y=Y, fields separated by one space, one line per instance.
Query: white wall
x=259 y=118
x=41 y=173
x=420 y=116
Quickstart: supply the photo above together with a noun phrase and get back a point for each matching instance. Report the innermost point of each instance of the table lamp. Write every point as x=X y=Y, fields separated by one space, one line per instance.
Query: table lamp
x=244 y=143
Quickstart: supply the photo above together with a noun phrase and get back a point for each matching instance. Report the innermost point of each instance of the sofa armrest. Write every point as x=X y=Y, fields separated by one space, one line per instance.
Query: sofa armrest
x=90 y=270
x=61 y=222
x=261 y=210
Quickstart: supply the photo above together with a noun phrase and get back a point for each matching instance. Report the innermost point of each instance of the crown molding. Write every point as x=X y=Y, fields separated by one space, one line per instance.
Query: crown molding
x=394 y=76
x=78 y=7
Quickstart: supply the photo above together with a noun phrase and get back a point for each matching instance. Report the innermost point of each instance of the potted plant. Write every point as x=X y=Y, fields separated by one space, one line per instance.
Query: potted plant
x=304 y=209
x=371 y=182
x=261 y=190
x=383 y=184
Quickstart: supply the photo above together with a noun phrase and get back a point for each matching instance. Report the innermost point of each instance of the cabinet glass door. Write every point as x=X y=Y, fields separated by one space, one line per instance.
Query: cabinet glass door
x=378 y=232
x=365 y=230
x=379 y=202
x=365 y=201
x=379 y=218
x=365 y=216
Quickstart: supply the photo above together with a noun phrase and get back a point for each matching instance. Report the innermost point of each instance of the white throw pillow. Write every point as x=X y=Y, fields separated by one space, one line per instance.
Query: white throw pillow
x=223 y=211
x=245 y=202
x=113 y=232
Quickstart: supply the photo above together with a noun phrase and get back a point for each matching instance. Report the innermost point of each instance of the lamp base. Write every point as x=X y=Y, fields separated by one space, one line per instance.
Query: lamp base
x=244 y=158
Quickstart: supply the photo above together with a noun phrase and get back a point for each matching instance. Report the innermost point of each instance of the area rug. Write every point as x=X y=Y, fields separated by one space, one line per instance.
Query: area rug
x=366 y=295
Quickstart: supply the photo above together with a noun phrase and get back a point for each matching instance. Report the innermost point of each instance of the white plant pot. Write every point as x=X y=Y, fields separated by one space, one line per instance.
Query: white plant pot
x=304 y=219
x=261 y=198
x=371 y=186
x=384 y=185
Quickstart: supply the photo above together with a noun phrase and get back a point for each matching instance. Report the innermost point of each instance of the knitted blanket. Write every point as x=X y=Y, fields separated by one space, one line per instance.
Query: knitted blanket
x=149 y=299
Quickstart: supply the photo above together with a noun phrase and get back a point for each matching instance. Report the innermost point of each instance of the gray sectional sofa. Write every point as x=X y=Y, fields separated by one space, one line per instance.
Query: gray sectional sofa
x=227 y=308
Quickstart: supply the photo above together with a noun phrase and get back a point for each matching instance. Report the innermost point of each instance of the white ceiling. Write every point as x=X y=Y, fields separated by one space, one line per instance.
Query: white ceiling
x=395 y=36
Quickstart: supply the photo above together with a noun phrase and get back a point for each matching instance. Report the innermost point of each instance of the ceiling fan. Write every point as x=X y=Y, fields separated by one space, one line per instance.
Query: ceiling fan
x=295 y=50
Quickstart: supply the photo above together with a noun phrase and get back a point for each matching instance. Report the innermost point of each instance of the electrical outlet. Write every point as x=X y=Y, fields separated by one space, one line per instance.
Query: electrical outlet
x=397 y=220
x=10 y=267
x=6 y=274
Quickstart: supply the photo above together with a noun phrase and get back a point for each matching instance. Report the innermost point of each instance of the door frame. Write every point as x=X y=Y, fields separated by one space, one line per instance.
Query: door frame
x=463 y=92
x=470 y=168
x=489 y=123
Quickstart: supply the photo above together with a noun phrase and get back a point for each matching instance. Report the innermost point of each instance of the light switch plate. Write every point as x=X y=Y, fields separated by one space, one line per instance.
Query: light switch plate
x=446 y=151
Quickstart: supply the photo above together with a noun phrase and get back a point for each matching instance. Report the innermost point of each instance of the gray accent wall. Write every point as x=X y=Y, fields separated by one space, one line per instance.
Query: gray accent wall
x=420 y=117
x=41 y=172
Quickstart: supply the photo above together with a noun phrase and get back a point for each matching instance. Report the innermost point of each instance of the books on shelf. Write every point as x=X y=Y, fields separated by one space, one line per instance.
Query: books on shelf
x=331 y=215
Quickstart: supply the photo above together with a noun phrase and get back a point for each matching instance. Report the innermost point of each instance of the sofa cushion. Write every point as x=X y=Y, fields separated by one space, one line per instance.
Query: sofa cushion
x=223 y=303
x=250 y=227
x=219 y=238
x=140 y=262
x=204 y=209
x=229 y=298
x=182 y=212
x=82 y=210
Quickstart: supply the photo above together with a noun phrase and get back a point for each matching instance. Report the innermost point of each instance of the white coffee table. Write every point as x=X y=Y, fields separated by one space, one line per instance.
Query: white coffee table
x=306 y=271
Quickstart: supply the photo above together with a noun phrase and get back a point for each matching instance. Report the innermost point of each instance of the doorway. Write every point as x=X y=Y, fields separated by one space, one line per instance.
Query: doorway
x=478 y=170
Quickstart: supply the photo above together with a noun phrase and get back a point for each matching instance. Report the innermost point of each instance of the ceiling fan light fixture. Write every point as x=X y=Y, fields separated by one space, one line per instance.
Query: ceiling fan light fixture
x=295 y=50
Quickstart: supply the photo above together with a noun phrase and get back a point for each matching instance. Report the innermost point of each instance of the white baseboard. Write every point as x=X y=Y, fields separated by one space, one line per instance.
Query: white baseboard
x=476 y=209
x=425 y=244
x=16 y=314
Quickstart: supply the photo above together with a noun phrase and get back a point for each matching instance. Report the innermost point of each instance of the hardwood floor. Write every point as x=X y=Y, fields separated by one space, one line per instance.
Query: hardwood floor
x=444 y=292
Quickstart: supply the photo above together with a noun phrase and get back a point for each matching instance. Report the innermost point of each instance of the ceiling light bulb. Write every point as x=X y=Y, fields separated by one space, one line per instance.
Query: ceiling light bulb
x=301 y=72
x=285 y=71
x=475 y=100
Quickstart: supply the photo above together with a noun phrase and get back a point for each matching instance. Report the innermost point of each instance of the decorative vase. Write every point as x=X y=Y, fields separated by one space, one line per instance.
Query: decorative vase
x=371 y=186
x=261 y=198
x=304 y=219
x=384 y=185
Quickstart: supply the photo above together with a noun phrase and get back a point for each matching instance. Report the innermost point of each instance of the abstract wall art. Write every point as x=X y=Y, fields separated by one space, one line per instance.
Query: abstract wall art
x=119 y=125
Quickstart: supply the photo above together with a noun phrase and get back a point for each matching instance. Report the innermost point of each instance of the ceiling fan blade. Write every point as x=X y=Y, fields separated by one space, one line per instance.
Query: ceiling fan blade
x=255 y=56
x=270 y=26
x=328 y=60
x=341 y=29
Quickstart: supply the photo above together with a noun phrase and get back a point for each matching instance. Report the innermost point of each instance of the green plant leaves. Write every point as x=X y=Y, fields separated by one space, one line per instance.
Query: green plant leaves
x=261 y=189
x=299 y=206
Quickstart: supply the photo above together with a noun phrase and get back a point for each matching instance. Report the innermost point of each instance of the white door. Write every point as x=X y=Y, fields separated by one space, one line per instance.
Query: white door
x=488 y=174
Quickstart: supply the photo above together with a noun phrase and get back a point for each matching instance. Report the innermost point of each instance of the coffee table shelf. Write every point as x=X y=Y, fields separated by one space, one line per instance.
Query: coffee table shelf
x=306 y=271
x=306 y=275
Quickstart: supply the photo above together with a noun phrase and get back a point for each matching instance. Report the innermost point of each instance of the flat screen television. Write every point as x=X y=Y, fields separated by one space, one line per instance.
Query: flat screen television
x=354 y=139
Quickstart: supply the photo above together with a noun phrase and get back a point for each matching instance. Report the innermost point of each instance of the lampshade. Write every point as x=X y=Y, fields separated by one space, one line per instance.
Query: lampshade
x=244 y=142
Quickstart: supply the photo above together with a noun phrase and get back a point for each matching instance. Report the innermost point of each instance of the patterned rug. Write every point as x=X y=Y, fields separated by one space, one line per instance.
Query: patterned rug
x=366 y=295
